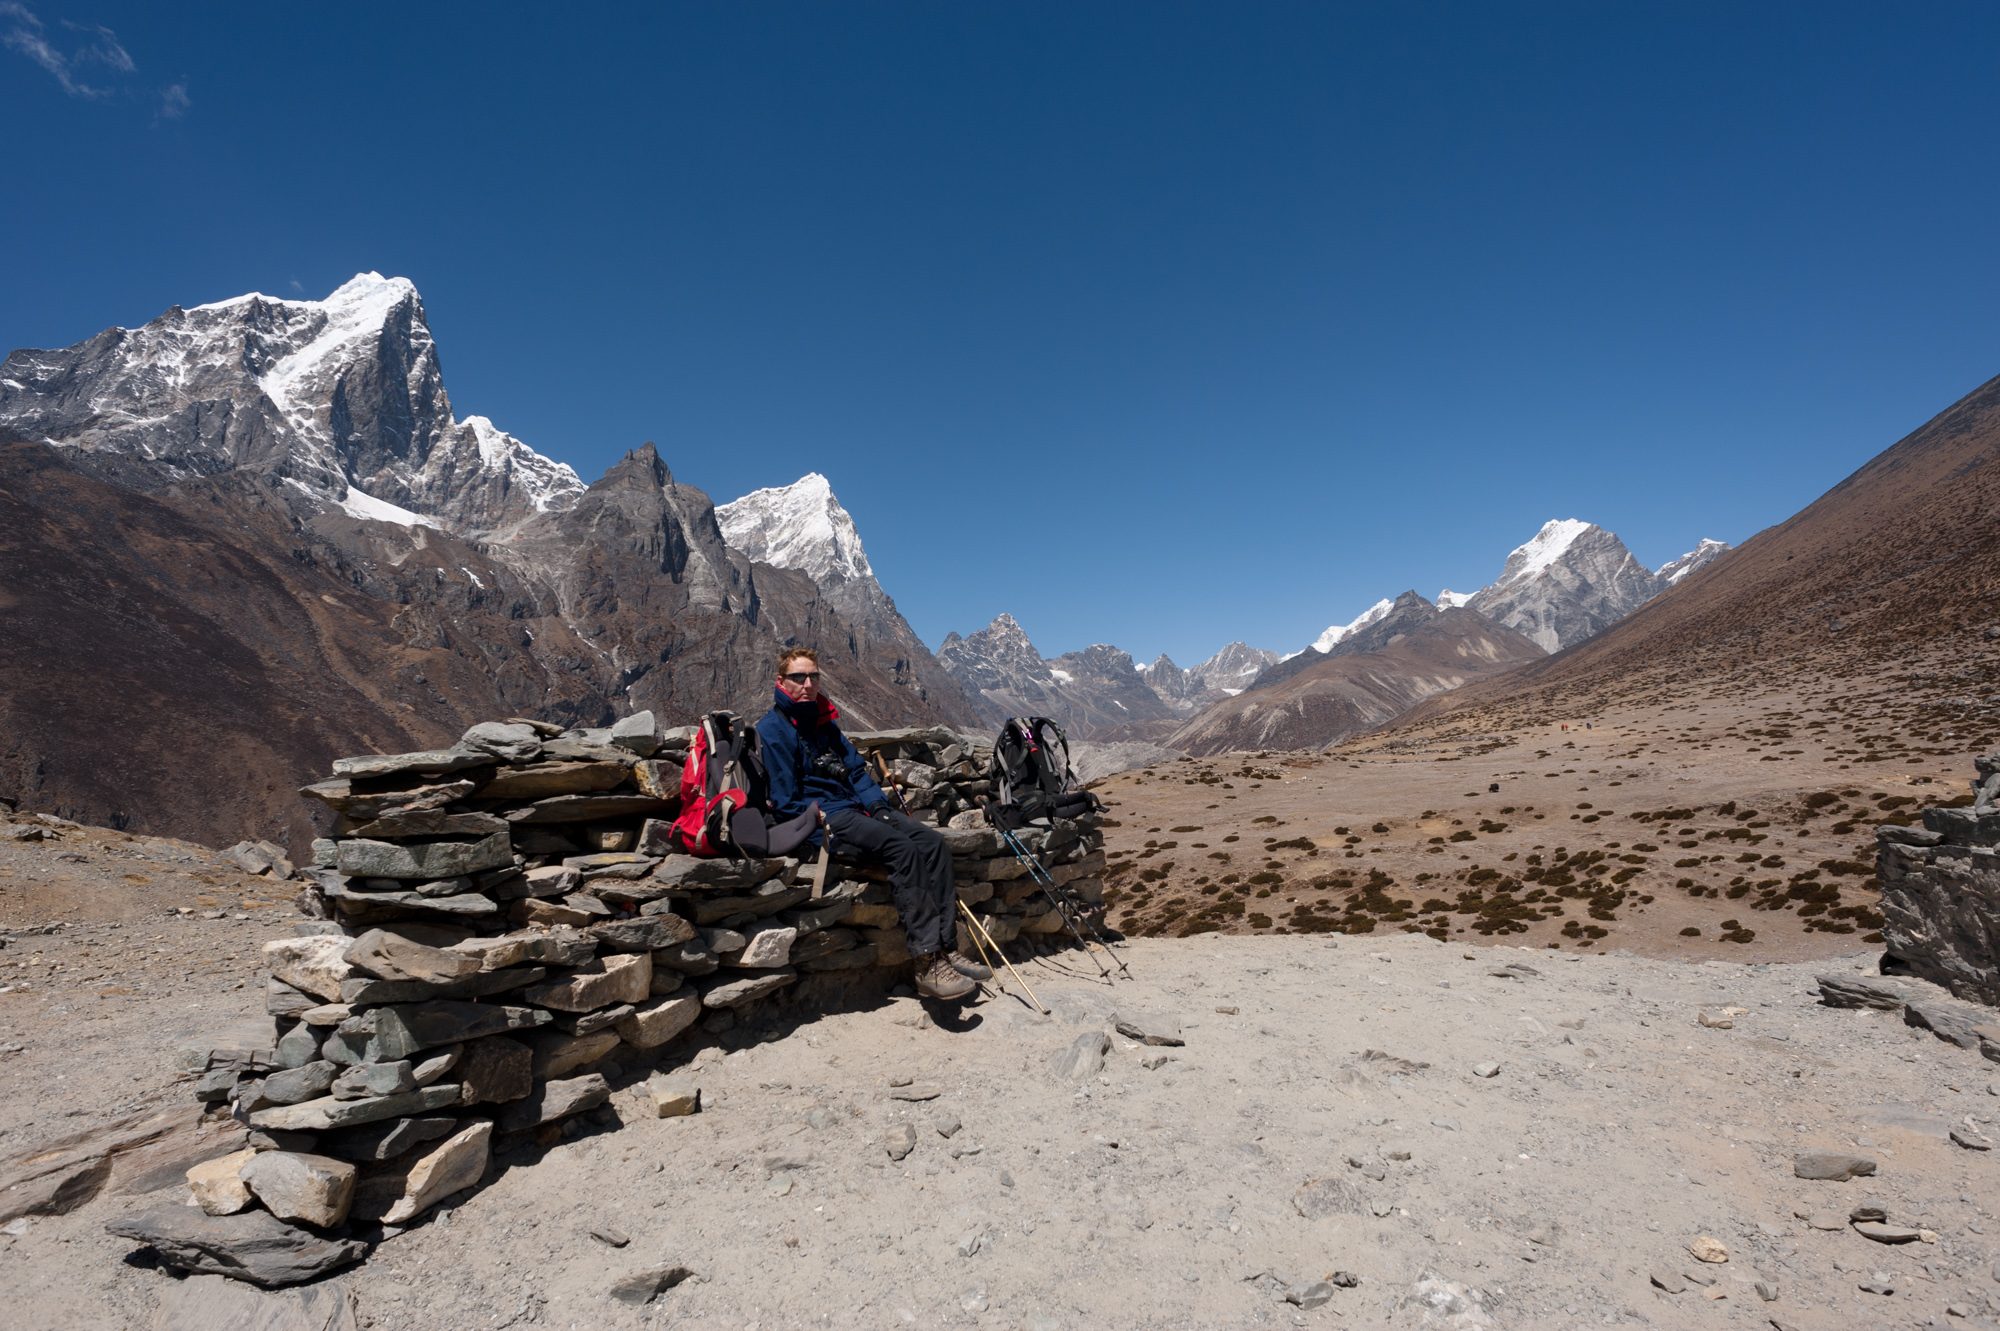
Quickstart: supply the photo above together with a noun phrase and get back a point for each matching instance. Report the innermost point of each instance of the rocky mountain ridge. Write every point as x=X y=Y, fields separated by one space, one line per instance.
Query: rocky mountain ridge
x=1098 y=693
x=343 y=400
x=314 y=554
x=1570 y=580
x=1413 y=651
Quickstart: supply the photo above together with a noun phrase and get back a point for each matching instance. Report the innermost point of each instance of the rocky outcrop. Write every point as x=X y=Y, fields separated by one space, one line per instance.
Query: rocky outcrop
x=1941 y=893
x=504 y=930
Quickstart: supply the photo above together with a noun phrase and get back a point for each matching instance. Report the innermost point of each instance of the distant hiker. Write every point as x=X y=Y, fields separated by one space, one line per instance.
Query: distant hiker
x=806 y=760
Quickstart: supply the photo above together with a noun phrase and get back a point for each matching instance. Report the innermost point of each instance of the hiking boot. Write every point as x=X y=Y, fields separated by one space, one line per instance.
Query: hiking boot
x=970 y=969
x=937 y=979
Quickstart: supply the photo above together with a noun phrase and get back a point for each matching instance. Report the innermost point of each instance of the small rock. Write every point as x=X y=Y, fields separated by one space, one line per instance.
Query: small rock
x=1083 y=1059
x=1767 y=1291
x=1154 y=1033
x=642 y=1287
x=616 y=1238
x=1485 y=1069
x=915 y=1093
x=672 y=1097
x=1882 y=1233
x=900 y=1141
x=947 y=1124
x=1707 y=1249
x=1715 y=1023
x=973 y=1300
x=452 y=1166
x=1970 y=1140
x=973 y=1243
x=1154 y=1062
x=1669 y=1281
x=296 y=1186
x=1868 y=1211
x=1312 y=1296
x=1227 y=1010
x=1831 y=1165
x=218 y=1185
x=1881 y=1287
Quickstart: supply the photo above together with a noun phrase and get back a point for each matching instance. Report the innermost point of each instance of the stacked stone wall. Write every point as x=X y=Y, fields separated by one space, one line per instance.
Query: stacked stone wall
x=1941 y=892
x=500 y=932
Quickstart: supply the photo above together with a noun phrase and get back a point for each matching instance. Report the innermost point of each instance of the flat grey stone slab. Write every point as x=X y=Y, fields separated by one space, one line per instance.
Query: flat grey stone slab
x=255 y=1246
x=328 y=1112
x=429 y=762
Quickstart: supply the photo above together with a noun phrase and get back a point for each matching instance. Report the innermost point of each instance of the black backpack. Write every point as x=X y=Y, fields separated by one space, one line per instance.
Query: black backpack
x=1032 y=772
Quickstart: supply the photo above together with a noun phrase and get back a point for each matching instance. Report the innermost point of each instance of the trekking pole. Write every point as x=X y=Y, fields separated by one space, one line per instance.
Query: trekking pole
x=888 y=783
x=1047 y=882
x=978 y=934
x=1066 y=901
x=1059 y=898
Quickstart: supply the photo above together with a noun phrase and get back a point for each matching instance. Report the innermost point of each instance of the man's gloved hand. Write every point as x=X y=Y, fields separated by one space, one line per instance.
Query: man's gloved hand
x=877 y=809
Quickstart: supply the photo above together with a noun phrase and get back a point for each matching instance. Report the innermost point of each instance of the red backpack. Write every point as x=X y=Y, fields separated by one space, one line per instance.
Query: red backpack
x=723 y=796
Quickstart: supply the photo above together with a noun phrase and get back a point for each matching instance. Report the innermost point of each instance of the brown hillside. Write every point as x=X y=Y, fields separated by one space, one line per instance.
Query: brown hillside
x=1704 y=779
x=1339 y=696
x=1884 y=592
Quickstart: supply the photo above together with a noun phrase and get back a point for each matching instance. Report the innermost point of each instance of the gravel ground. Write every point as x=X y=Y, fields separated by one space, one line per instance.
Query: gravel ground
x=1327 y=1119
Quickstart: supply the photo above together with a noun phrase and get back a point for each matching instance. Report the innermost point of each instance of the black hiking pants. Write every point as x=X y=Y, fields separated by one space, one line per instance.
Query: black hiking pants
x=919 y=871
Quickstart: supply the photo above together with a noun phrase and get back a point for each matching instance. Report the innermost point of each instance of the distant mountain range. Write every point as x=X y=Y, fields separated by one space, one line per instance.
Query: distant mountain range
x=255 y=534
x=1568 y=582
x=1411 y=652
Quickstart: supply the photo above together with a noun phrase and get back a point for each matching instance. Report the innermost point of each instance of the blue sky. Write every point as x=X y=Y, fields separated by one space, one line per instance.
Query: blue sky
x=1156 y=324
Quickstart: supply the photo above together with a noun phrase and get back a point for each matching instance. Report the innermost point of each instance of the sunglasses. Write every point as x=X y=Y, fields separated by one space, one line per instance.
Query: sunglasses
x=803 y=676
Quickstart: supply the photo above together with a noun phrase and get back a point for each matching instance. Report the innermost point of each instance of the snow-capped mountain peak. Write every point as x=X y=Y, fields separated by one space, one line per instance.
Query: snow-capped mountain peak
x=1451 y=600
x=1325 y=641
x=1704 y=553
x=1571 y=580
x=1544 y=548
x=798 y=526
x=340 y=397
x=544 y=482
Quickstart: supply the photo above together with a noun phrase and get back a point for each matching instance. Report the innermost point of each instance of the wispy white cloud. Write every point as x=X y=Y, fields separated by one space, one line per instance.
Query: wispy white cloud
x=83 y=46
x=103 y=47
x=25 y=33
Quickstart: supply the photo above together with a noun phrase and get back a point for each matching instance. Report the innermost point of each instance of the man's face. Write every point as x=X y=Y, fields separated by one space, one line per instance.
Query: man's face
x=800 y=679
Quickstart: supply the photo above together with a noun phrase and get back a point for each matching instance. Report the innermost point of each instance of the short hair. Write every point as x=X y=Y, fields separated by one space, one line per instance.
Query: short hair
x=791 y=654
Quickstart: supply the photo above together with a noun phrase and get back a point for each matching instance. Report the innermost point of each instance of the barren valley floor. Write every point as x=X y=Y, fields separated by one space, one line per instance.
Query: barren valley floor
x=1477 y=1135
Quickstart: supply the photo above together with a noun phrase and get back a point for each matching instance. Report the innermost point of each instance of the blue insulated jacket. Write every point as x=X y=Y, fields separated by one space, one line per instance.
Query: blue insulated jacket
x=792 y=736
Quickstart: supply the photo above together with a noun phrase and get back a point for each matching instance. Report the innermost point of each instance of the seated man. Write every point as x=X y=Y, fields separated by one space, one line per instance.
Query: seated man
x=807 y=759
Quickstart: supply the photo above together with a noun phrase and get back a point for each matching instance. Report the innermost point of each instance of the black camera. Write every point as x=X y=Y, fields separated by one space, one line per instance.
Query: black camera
x=830 y=765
